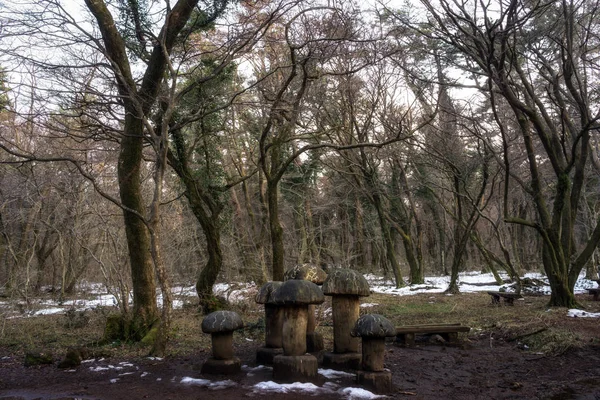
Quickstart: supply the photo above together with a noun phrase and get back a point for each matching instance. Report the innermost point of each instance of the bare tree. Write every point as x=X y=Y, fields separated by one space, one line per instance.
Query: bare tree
x=536 y=59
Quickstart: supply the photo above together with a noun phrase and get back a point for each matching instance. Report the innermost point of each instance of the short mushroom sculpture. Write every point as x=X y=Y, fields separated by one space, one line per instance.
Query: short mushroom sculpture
x=273 y=324
x=221 y=325
x=345 y=286
x=314 y=274
x=373 y=329
x=295 y=365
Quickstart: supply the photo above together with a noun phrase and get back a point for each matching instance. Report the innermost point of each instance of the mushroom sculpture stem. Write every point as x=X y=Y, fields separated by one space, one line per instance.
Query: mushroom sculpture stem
x=345 y=312
x=345 y=286
x=314 y=274
x=295 y=320
x=295 y=364
x=273 y=324
x=222 y=345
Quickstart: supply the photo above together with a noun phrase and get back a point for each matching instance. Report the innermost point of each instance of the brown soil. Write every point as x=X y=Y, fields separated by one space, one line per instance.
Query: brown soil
x=480 y=368
x=488 y=363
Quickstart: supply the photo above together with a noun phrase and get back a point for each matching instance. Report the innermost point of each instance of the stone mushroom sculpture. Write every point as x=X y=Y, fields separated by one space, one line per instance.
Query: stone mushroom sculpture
x=345 y=287
x=373 y=329
x=273 y=324
x=221 y=325
x=314 y=274
x=295 y=365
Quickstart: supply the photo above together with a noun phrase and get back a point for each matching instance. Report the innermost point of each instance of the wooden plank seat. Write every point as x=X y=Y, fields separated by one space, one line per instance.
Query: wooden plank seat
x=595 y=292
x=406 y=334
x=509 y=298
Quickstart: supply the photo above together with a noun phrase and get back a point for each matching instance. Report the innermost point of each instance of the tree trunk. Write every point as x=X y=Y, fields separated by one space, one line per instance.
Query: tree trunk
x=360 y=247
x=145 y=310
x=417 y=275
x=276 y=231
x=208 y=275
x=562 y=293
x=390 y=251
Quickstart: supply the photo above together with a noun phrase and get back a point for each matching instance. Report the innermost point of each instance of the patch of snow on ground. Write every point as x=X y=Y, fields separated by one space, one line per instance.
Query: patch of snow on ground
x=49 y=311
x=213 y=385
x=359 y=394
x=251 y=371
x=126 y=364
x=235 y=293
x=368 y=305
x=575 y=313
x=468 y=282
x=257 y=368
x=273 y=387
x=312 y=389
x=99 y=369
x=244 y=292
x=333 y=374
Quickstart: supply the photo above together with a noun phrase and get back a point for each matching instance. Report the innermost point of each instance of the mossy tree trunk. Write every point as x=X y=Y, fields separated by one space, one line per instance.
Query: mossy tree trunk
x=206 y=206
x=145 y=310
x=275 y=226
x=138 y=98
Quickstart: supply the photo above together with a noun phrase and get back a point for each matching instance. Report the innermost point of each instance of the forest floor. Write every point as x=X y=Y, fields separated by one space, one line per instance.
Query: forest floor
x=524 y=351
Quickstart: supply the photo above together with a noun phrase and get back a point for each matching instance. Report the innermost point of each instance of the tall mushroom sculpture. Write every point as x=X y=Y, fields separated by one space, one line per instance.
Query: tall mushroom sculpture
x=314 y=274
x=373 y=329
x=295 y=365
x=345 y=286
x=221 y=325
x=273 y=324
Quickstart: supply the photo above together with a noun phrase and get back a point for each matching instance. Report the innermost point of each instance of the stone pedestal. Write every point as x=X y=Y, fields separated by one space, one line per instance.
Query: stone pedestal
x=295 y=368
x=265 y=355
x=342 y=361
x=378 y=382
x=224 y=367
x=273 y=326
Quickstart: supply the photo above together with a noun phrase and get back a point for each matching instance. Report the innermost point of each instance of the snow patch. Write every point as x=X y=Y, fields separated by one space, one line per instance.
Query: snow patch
x=273 y=387
x=575 y=313
x=312 y=389
x=213 y=385
x=368 y=305
x=333 y=374
x=359 y=394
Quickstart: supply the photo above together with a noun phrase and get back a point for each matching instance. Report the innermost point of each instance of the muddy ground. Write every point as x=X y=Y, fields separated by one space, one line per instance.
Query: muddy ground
x=483 y=366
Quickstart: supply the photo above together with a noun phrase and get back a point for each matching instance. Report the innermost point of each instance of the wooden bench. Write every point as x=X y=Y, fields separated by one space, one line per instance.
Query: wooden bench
x=509 y=298
x=595 y=292
x=406 y=334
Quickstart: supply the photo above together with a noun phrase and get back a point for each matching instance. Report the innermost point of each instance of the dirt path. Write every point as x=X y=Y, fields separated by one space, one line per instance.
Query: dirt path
x=480 y=368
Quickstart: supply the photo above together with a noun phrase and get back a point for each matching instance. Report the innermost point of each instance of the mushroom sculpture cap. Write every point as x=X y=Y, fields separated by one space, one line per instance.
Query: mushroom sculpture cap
x=221 y=321
x=307 y=272
x=265 y=293
x=297 y=292
x=346 y=281
x=374 y=326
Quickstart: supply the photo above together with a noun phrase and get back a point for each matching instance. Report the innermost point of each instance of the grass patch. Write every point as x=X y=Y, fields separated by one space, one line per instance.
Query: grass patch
x=553 y=341
x=528 y=322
